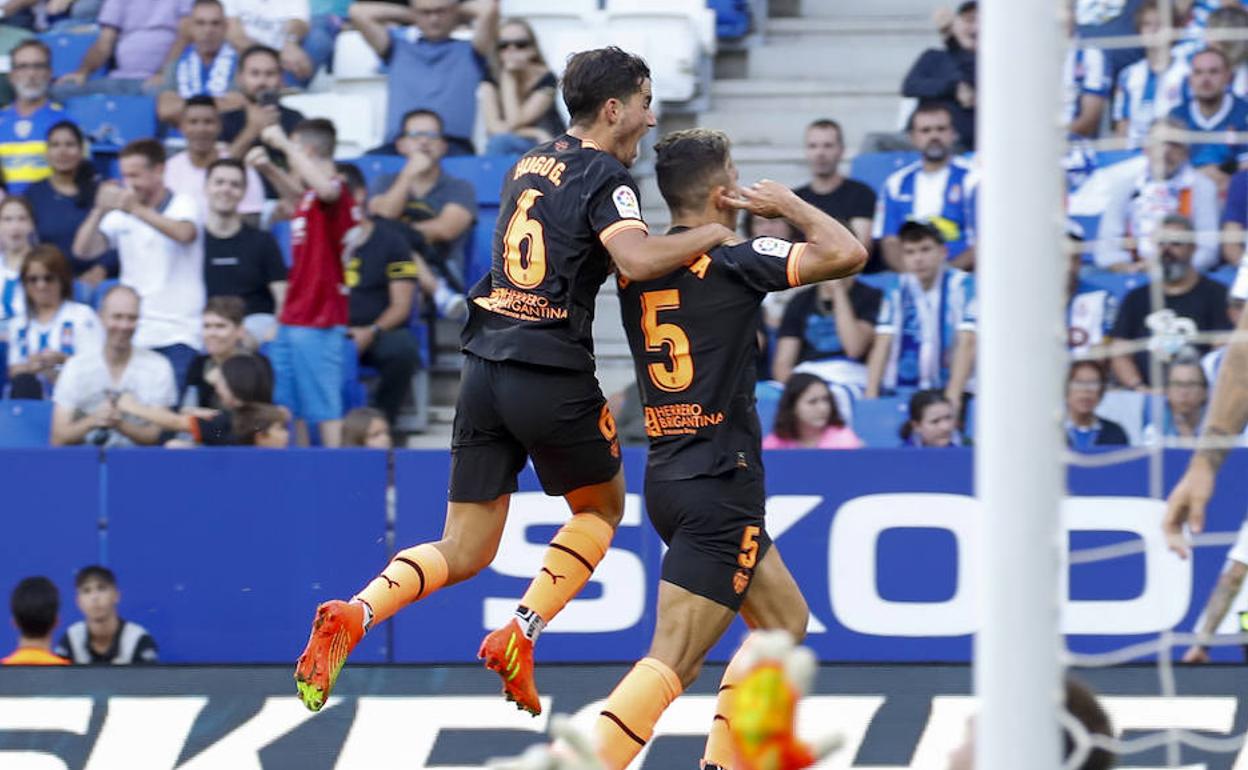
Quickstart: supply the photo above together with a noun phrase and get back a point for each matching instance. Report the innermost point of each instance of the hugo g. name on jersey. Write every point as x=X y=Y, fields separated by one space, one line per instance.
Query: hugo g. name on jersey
x=692 y=333
x=562 y=202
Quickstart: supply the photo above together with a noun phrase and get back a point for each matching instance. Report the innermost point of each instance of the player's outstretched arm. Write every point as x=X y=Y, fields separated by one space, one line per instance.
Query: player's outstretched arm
x=832 y=250
x=1228 y=414
x=642 y=257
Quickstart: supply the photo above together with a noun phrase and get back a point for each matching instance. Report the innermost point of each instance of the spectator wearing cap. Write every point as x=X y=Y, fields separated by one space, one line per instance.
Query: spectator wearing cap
x=848 y=201
x=103 y=636
x=187 y=172
x=34 y=604
x=382 y=278
x=1214 y=112
x=1090 y=310
x=440 y=73
x=205 y=67
x=1085 y=387
x=947 y=75
x=1151 y=87
x=1161 y=184
x=1188 y=295
x=25 y=123
x=937 y=189
x=440 y=208
x=89 y=386
x=518 y=107
x=1087 y=83
x=136 y=41
x=925 y=333
x=159 y=243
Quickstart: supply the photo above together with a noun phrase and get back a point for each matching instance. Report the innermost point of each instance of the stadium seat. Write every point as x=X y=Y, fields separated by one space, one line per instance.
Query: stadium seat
x=732 y=18
x=354 y=115
x=1224 y=274
x=68 y=47
x=486 y=173
x=561 y=28
x=25 y=424
x=280 y=230
x=110 y=122
x=1125 y=407
x=374 y=166
x=884 y=280
x=873 y=168
x=1117 y=284
x=877 y=420
x=4 y=368
x=354 y=59
x=766 y=401
x=676 y=38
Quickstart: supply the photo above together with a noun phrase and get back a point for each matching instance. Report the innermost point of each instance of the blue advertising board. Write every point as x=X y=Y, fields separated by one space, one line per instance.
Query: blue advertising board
x=223 y=554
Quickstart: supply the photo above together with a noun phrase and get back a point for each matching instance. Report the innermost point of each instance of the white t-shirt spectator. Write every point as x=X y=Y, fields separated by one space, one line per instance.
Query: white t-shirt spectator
x=169 y=276
x=73 y=330
x=184 y=178
x=85 y=383
x=264 y=21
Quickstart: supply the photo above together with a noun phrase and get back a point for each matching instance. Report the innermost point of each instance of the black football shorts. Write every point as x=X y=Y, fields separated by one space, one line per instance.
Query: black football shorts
x=715 y=531
x=509 y=411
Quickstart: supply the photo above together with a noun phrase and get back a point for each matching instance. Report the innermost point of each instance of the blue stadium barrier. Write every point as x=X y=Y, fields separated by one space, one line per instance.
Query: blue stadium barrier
x=1117 y=284
x=885 y=280
x=876 y=420
x=873 y=168
x=1224 y=274
x=25 y=423
x=51 y=514
x=224 y=554
x=110 y=122
x=68 y=49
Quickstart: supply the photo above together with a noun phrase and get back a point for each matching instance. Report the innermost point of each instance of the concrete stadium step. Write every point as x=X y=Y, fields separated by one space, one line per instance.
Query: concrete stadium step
x=866 y=59
x=830 y=9
x=783 y=163
x=776 y=111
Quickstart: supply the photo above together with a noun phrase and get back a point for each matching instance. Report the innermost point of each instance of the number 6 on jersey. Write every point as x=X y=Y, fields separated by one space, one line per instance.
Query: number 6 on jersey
x=526 y=271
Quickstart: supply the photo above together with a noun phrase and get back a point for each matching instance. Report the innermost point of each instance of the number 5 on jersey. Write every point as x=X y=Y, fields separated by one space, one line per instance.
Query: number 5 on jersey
x=677 y=374
x=526 y=270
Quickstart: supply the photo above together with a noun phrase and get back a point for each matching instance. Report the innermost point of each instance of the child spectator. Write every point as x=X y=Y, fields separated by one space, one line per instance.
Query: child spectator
x=239 y=380
x=439 y=207
x=366 y=427
x=932 y=421
x=17 y=230
x=34 y=604
x=53 y=327
x=25 y=122
x=223 y=338
x=62 y=201
x=807 y=418
x=262 y=425
x=519 y=106
x=103 y=636
x=206 y=67
x=1085 y=386
x=309 y=348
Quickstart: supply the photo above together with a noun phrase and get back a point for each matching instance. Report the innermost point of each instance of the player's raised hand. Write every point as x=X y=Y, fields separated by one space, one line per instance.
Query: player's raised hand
x=1186 y=504
x=765 y=198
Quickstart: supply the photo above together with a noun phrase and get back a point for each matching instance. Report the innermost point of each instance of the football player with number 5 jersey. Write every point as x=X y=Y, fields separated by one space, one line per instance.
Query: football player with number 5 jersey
x=528 y=390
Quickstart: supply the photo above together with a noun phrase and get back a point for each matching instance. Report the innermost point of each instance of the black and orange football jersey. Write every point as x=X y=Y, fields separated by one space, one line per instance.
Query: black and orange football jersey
x=693 y=335
x=561 y=203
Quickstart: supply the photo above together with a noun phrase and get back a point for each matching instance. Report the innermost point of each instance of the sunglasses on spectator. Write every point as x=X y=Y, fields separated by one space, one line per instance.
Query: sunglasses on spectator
x=39 y=279
x=519 y=45
x=422 y=135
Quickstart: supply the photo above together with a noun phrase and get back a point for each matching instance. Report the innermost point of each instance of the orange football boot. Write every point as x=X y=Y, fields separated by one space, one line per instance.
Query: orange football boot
x=509 y=653
x=338 y=627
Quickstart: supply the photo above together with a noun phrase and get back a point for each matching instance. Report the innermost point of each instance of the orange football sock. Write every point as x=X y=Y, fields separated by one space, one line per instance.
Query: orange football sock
x=627 y=721
x=573 y=554
x=412 y=574
x=719 y=749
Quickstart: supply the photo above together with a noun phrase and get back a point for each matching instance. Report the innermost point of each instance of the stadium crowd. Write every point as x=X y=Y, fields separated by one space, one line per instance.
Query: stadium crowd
x=185 y=287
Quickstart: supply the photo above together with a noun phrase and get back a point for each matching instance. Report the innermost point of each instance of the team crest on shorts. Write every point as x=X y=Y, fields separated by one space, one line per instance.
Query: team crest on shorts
x=626 y=202
x=772 y=247
x=740 y=581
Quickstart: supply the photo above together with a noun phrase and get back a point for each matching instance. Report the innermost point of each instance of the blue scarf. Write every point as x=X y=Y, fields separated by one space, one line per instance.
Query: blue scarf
x=193 y=80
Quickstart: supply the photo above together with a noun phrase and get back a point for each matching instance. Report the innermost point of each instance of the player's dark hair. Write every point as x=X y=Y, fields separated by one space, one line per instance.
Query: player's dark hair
x=826 y=123
x=250 y=378
x=421 y=113
x=198 y=3
x=688 y=164
x=150 y=150
x=232 y=309
x=916 y=232
x=258 y=50
x=919 y=404
x=594 y=77
x=34 y=604
x=786 y=425
x=85 y=176
x=50 y=258
x=95 y=572
x=233 y=163
x=1087 y=363
x=1082 y=704
x=250 y=420
x=929 y=107
x=321 y=132
x=32 y=42
x=200 y=100
x=354 y=177
x=356 y=423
